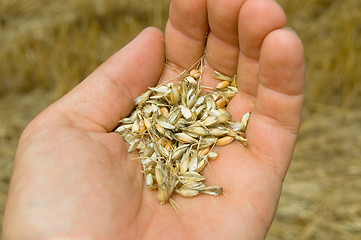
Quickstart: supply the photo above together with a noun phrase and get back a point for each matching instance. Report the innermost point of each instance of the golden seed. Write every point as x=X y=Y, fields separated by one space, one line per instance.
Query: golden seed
x=174 y=95
x=147 y=123
x=203 y=151
x=164 y=111
x=195 y=73
x=160 y=129
x=172 y=99
x=163 y=194
x=169 y=146
x=213 y=155
x=224 y=141
x=221 y=102
x=222 y=85
x=141 y=126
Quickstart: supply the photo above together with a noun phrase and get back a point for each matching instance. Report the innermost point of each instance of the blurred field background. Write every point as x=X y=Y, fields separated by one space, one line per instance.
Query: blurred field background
x=47 y=47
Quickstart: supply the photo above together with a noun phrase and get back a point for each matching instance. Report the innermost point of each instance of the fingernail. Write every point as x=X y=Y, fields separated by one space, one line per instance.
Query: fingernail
x=290 y=29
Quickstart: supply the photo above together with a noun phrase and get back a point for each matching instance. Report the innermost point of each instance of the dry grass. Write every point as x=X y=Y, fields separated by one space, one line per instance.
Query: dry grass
x=47 y=47
x=320 y=199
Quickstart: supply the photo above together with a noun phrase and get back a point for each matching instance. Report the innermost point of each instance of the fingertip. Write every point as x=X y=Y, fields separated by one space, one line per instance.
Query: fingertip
x=282 y=62
x=189 y=17
x=153 y=32
x=257 y=19
x=153 y=38
x=282 y=40
x=186 y=32
x=223 y=35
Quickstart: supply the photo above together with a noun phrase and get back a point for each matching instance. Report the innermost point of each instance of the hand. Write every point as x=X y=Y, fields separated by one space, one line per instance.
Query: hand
x=73 y=178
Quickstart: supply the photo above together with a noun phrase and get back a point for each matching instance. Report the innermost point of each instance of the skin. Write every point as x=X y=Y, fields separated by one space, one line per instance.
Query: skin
x=73 y=178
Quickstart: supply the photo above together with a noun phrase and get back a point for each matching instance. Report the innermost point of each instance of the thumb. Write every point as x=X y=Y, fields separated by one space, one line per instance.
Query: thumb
x=108 y=94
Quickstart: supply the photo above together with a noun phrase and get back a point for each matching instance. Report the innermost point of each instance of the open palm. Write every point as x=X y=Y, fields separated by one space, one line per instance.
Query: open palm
x=74 y=178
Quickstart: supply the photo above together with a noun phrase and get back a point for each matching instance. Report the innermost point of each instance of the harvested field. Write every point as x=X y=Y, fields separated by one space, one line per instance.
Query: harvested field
x=47 y=47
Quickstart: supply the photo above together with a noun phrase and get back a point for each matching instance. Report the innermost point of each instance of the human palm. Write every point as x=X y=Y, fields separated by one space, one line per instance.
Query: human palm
x=74 y=178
